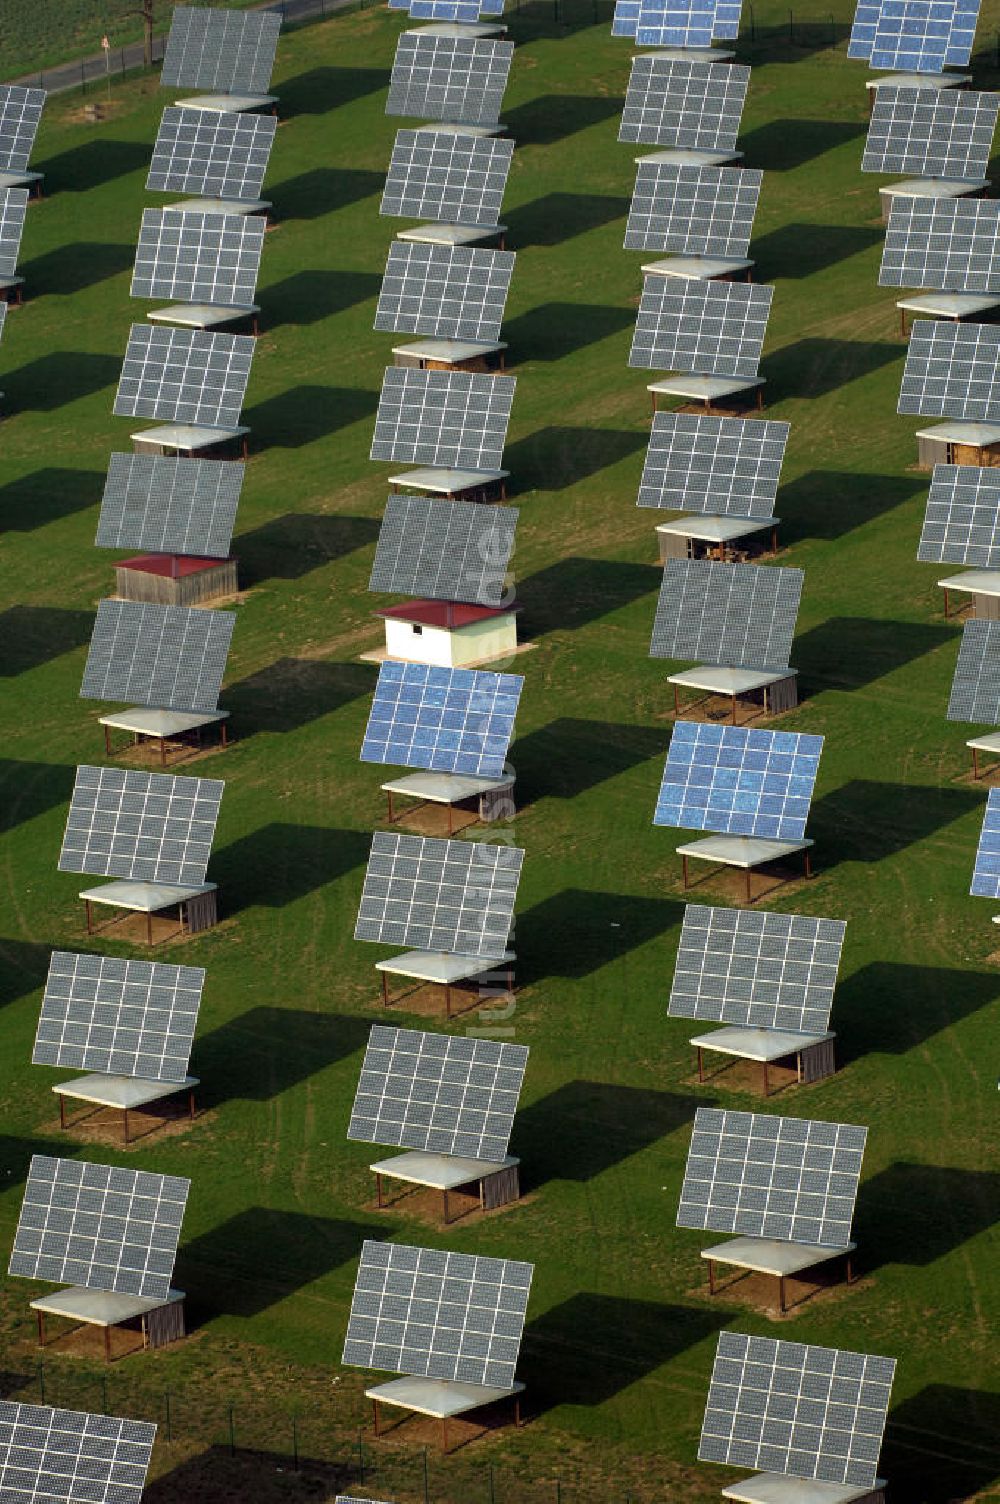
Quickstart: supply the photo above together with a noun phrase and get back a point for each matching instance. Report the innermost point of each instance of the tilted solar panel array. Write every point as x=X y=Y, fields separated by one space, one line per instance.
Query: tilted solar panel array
x=722 y=466
x=931 y=133
x=72 y=1456
x=735 y=780
x=701 y=211
x=741 y=615
x=20 y=112
x=708 y=328
x=673 y=102
x=451 y=720
x=229 y=52
x=457 y=79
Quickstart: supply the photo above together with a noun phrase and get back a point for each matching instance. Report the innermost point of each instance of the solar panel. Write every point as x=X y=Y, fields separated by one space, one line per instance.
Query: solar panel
x=952 y=371
x=451 y=720
x=464 y=11
x=795 y=1179
x=170 y=505
x=449 y=291
x=170 y=657
x=455 y=896
x=920 y=36
x=625 y=19
x=862 y=36
x=71 y=1456
x=716 y=328
x=949 y=244
x=791 y=1408
x=931 y=133
x=705 y=211
x=211 y=152
x=460 y=79
x=13 y=205
x=99 y=1226
x=675 y=23
x=434 y=1092
x=231 y=52
x=986 y=873
x=428 y=1312
x=20 y=111
x=150 y=827
x=445 y=175
x=449 y=418
x=726 y=467
x=184 y=375
x=962 y=520
x=198 y=258
x=684 y=104
x=741 y=615
x=766 y=971
x=737 y=780
x=445 y=550
x=122 y=1018
x=975 y=685
x=726 y=27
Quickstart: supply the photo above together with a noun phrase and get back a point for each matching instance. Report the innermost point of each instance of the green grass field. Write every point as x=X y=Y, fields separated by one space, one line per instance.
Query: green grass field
x=621 y=1334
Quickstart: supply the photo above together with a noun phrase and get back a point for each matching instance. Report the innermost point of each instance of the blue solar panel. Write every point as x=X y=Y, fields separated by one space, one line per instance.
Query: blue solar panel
x=727 y=20
x=863 y=29
x=986 y=874
x=739 y=781
x=626 y=16
x=922 y=35
x=451 y=720
x=675 y=23
x=963 y=32
x=445 y=10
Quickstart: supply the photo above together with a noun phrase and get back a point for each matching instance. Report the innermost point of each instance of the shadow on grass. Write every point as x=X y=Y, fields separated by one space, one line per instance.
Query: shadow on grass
x=829 y=503
x=292 y=692
x=94 y=163
x=33 y=635
x=574 y=1354
x=307 y=413
x=288 y=547
x=23 y=964
x=322 y=190
x=28 y=789
x=943 y=1445
x=265 y=1051
x=308 y=297
x=916 y=1214
x=865 y=821
x=550 y=117
x=848 y=652
x=16 y=1154
x=558 y=217
x=262 y=1256
x=322 y=89
x=569 y=755
x=568 y=595
x=558 y=456
x=64 y=376
x=891 y=1007
x=798 y=250
x=264 y=1477
x=784 y=144
x=47 y=494
x=552 y=330
x=71 y=268
x=280 y=863
x=578 y=931
x=816 y=367
x=605 y=1124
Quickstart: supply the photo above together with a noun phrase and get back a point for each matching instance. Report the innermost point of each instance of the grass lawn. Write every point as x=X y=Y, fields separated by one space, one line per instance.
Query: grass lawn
x=620 y=1339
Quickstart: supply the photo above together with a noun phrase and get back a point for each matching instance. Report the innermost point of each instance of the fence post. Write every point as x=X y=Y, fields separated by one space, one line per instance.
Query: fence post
x=833 y=31
x=753 y=25
x=791 y=27
x=83 y=79
x=169 y=1427
x=104 y=1394
x=361 y=1456
x=232 y=1432
x=295 y=1442
x=493 y=1497
x=558 y=1491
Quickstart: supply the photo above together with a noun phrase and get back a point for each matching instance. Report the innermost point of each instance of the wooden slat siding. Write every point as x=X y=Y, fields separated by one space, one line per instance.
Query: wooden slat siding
x=501 y=1188
x=187 y=590
x=783 y=696
x=202 y=913
x=819 y=1060
x=165 y=1324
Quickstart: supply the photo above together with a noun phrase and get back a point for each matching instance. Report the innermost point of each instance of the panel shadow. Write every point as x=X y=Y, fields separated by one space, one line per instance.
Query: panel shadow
x=322 y=89
x=280 y=863
x=23 y=964
x=288 y=547
x=604 y=1124
x=891 y=1007
x=578 y=931
x=798 y=250
x=783 y=144
x=816 y=367
x=262 y=1256
x=792 y=39
x=45 y=495
x=577 y=1354
x=569 y=755
x=915 y=1214
x=943 y=1445
x=568 y=595
x=64 y=376
x=92 y=164
x=849 y=652
x=266 y=1051
x=557 y=456
x=16 y=1153
x=216 y=1474
x=552 y=330
x=28 y=789
x=71 y=268
x=865 y=821
x=321 y=190
x=307 y=413
x=560 y=216
x=33 y=635
x=309 y=297
x=292 y=692
x=829 y=503
x=550 y=117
